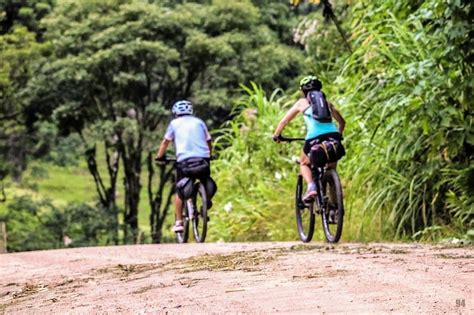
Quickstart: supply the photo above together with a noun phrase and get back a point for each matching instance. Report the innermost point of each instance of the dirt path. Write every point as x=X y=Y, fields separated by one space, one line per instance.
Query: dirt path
x=245 y=278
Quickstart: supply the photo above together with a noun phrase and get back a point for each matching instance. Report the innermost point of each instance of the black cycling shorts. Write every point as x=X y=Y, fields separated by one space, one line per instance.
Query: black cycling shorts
x=310 y=142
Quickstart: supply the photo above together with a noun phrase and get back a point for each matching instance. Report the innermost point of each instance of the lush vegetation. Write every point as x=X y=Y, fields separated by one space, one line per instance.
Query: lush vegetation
x=406 y=91
x=86 y=87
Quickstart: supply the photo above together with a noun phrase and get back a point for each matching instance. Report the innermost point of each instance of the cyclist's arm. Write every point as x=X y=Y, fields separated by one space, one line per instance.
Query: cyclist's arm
x=162 y=150
x=341 y=123
x=287 y=118
x=209 y=144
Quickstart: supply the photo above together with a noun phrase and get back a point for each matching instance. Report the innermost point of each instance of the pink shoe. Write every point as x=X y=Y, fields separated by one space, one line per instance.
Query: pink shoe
x=309 y=195
x=178 y=227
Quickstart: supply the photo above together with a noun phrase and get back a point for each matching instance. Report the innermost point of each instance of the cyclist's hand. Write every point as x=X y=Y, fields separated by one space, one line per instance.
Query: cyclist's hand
x=160 y=160
x=277 y=138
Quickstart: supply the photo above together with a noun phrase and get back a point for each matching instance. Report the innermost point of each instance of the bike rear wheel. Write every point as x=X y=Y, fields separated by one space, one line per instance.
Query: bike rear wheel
x=304 y=214
x=333 y=207
x=182 y=237
x=200 y=218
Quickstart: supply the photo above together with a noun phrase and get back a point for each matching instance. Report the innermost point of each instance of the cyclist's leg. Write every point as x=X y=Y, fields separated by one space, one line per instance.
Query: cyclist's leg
x=178 y=204
x=305 y=168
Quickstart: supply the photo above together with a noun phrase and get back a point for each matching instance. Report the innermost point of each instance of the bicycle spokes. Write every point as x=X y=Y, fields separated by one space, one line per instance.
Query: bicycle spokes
x=333 y=209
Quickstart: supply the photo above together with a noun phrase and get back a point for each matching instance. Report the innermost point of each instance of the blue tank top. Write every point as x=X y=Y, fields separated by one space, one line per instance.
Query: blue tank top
x=316 y=128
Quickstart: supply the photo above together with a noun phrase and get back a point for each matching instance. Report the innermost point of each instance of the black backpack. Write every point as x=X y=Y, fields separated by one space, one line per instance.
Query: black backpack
x=320 y=106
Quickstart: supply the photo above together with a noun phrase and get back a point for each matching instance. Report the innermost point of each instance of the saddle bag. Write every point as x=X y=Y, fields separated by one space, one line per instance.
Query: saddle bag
x=327 y=151
x=195 y=168
x=185 y=188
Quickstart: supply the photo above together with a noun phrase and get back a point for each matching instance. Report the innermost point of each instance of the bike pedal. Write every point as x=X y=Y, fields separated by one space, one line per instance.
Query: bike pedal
x=305 y=205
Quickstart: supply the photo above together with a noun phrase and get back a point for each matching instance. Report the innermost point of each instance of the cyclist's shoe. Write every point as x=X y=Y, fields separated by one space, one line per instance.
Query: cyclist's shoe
x=310 y=194
x=178 y=227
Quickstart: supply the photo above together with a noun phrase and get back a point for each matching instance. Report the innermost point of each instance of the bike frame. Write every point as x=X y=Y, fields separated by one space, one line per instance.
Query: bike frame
x=317 y=174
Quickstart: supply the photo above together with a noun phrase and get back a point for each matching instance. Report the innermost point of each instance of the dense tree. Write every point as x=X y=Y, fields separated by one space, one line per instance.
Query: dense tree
x=19 y=31
x=17 y=49
x=39 y=224
x=27 y=13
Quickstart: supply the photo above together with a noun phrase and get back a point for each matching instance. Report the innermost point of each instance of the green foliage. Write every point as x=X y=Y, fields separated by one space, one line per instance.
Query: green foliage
x=26 y=13
x=322 y=41
x=408 y=99
x=17 y=50
x=201 y=51
x=255 y=176
x=33 y=224
x=28 y=224
x=52 y=147
x=406 y=93
x=117 y=66
x=107 y=72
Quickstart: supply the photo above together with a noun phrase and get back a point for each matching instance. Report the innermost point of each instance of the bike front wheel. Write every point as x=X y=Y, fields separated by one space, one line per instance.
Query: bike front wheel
x=333 y=206
x=199 y=216
x=305 y=217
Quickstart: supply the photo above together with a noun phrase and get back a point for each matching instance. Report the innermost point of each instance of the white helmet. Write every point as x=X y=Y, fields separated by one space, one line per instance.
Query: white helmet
x=183 y=107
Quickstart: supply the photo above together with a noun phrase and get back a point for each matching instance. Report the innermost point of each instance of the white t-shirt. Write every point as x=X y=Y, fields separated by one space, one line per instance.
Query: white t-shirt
x=190 y=136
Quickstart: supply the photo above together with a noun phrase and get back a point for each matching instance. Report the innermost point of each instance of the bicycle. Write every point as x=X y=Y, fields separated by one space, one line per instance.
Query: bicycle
x=328 y=203
x=195 y=210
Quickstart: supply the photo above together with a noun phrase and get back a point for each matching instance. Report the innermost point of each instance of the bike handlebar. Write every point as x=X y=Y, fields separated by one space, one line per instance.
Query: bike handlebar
x=173 y=159
x=285 y=139
x=165 y=160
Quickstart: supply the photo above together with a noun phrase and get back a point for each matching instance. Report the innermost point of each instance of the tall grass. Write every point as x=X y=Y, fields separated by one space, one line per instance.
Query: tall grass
x=410 y=124
x=256 y=177
x=406 y=92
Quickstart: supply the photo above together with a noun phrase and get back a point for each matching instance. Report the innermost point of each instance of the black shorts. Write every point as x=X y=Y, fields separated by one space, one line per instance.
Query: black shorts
x=179 y=171
x=310 y=142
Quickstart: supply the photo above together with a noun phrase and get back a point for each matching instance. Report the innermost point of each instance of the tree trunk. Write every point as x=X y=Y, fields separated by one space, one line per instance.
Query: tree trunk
x=107 y=195
x=132 y=169
x=113 y=169
x=159 y=210
x=329 y=13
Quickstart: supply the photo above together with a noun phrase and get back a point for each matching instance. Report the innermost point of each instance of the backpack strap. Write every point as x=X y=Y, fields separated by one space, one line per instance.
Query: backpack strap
x=304 y=112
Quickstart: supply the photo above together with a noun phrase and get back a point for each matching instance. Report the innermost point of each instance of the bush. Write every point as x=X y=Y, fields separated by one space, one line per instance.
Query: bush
x=255 y=176
x=35 y=225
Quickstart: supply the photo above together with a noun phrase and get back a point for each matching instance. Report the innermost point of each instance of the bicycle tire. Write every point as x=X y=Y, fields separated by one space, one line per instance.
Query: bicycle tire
x=182 y=237
x=302 y=210
x=200 y=217
x=333 y=209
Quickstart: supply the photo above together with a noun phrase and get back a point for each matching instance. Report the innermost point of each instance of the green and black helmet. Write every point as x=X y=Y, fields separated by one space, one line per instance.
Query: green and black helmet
x=310 y=83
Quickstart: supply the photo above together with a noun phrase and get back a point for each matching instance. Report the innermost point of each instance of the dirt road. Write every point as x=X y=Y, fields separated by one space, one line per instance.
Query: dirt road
x=240 y=278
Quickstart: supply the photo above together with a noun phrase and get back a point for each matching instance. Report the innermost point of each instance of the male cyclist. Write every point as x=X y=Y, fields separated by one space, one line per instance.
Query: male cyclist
x=192 y=141
x=316 y=131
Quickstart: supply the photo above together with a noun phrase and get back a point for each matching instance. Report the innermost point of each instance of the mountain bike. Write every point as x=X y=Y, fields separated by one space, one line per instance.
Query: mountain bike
x=194 y=211
x=328 y=203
